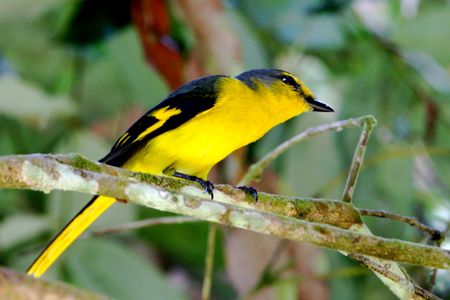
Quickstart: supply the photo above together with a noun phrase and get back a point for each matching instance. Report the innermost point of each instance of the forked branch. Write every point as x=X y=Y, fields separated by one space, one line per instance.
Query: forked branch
x=327 y=223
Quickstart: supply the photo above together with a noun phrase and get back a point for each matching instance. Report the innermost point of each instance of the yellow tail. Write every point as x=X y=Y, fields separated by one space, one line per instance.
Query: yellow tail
x=73 y=229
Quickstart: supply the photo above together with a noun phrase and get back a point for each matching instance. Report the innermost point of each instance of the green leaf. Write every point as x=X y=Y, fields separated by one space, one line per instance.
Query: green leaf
x=142 y=83
x=426 y=32
x=24 y=9
x=27 y=102
x=20 y=228
x=113 y=270
x=182 y=243
x=253 y=53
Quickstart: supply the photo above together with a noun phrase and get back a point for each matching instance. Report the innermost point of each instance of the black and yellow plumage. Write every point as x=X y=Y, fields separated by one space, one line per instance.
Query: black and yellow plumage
x=192 y=130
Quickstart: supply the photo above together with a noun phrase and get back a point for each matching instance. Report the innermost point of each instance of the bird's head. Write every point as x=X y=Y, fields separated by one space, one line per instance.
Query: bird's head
x=279 y=82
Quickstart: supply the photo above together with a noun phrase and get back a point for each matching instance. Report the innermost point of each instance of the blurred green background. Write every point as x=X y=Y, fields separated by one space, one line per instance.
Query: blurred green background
x=73 y=76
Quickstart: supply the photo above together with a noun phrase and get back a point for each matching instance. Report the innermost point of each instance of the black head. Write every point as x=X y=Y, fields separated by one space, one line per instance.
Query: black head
x=270 y=76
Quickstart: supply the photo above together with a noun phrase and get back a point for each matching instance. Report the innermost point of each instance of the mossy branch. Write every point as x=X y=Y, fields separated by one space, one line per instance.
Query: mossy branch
x=46 y=173
x=390 y=273
x=300 y=219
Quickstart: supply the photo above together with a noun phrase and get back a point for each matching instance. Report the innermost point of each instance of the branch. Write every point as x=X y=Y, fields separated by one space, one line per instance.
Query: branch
x=15 y=285
x=209 y=262
x=255 y=170
x=393 y=275
x=435 y=234
x=143 y=224
x=380 y=268
x=330 y=212
x=355 y=168
x=383 y=157
x=45 y=173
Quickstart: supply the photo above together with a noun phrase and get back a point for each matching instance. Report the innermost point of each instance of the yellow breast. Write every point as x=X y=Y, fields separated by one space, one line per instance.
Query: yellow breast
x=240 y=116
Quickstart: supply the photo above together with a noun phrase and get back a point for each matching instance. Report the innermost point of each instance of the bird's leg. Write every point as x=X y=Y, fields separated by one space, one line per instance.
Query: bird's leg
x=206 y=185
x=249 y=190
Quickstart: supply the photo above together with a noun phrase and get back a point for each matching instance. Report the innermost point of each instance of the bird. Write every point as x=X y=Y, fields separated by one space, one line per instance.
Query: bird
x=190 y=131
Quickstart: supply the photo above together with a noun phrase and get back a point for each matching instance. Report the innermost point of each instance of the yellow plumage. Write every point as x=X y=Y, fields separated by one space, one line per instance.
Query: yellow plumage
x=232 y=123
x=192 y=130
x=69 y=234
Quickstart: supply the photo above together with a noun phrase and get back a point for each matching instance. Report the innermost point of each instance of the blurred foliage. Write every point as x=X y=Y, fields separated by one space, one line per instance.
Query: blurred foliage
x=73 y=76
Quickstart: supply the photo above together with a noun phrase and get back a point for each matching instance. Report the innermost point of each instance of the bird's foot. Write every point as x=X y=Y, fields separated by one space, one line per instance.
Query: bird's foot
x=206 y=185
x=250 y=191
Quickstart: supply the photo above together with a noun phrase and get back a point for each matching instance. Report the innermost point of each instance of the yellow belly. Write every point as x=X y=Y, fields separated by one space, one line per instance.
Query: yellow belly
x=194 y=148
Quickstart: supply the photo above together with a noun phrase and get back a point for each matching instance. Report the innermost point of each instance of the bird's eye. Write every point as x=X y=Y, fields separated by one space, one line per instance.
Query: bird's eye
x=289 y=81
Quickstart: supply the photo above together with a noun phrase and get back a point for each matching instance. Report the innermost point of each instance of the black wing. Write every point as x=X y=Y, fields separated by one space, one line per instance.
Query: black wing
x=190 y=99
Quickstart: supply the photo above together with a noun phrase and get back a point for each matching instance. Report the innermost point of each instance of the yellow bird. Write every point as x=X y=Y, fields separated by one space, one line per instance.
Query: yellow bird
x=193 y=129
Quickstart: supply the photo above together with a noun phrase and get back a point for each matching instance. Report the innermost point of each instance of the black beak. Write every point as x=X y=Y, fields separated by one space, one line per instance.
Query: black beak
x=318 y=106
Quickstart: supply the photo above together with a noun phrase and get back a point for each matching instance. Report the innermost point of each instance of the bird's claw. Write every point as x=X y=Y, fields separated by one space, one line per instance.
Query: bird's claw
x=250 y=191
x=207 y=185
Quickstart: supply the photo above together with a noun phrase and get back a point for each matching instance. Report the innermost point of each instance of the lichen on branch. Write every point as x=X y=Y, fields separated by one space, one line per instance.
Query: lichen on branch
x=328 y=223
x=46 y=173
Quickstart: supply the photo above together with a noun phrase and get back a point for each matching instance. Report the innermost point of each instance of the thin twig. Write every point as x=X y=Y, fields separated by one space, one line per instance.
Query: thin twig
x=432 y=280
x=381 y=269
x=358 y=157
x=209 y=262
x=435 y=234
x=383 y=157
x=433 y=276
x=255 y=170
x=143 y=224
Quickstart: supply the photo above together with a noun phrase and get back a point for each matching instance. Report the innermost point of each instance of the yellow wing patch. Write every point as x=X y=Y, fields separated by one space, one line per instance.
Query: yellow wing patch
x=123 y=138
x=162 y=115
